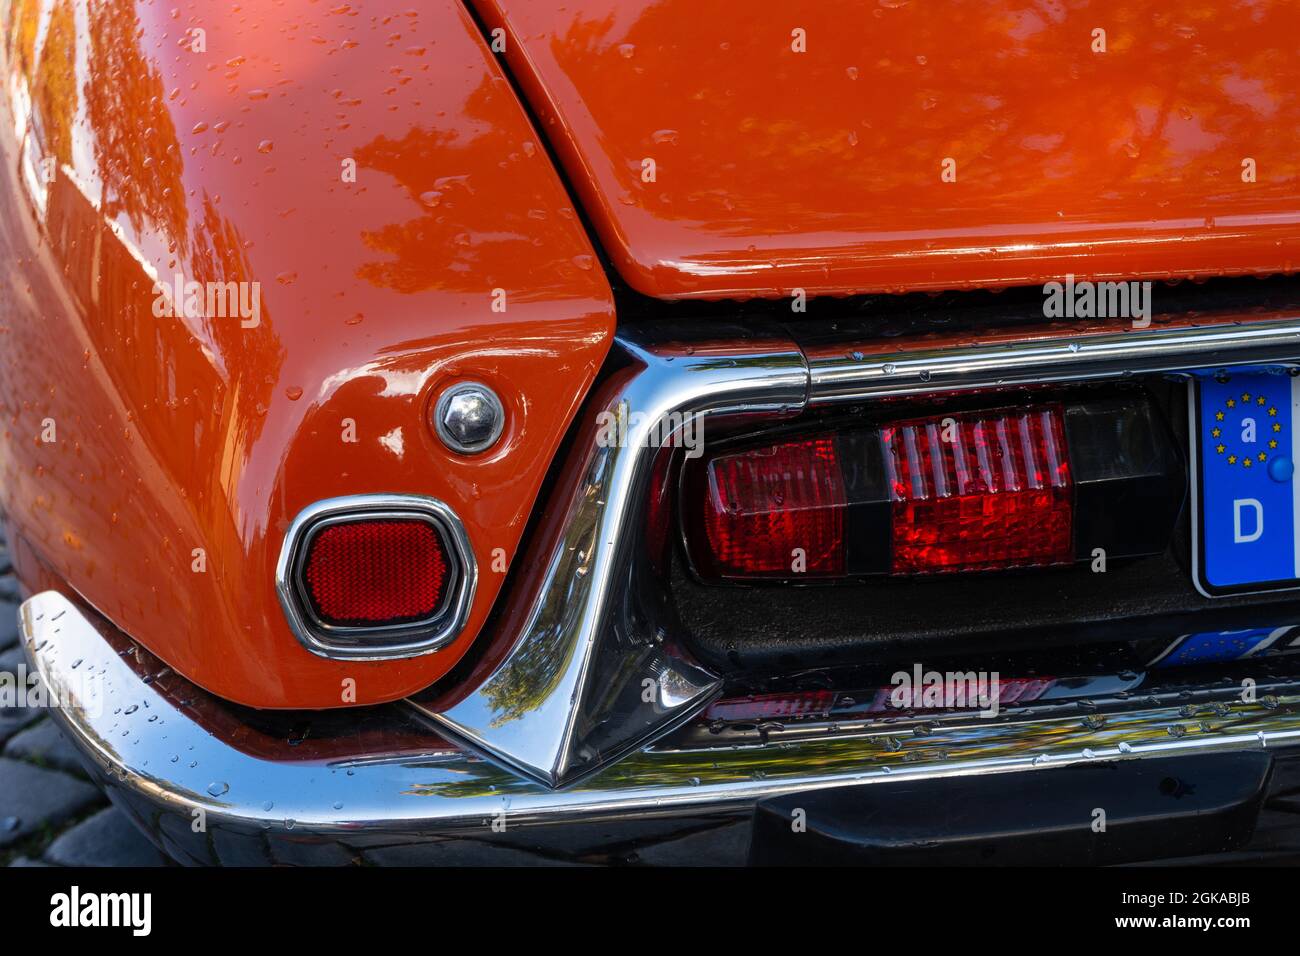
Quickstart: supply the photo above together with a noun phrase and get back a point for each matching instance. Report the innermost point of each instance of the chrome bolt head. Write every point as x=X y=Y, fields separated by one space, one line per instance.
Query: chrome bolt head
x=469 y=417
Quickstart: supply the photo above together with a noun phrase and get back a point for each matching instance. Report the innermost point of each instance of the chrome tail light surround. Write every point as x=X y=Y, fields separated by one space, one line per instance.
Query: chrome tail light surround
x=582 y=631
x=375 y=642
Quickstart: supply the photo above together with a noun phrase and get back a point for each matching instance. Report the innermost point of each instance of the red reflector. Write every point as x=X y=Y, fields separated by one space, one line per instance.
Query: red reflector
x=979 y=492
x=367 y=573
x=775 y=511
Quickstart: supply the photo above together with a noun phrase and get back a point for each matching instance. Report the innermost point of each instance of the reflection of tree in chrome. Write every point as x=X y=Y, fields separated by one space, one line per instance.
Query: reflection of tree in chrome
x=529 y=679
x=136 y=152
x=536 y=667
x=880 y=746
x=533 y=672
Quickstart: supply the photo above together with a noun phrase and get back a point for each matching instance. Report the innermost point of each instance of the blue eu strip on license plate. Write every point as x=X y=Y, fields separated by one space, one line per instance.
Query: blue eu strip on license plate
x=1246 y=534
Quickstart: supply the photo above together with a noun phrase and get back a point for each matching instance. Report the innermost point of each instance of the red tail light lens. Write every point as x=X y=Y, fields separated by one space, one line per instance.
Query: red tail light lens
x=773 y=512
x=975 y=491
x=376 y=572
x=978 y=492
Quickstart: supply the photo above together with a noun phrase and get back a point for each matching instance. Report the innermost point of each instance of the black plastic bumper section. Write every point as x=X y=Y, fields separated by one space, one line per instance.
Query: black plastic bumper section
x=1085 y=815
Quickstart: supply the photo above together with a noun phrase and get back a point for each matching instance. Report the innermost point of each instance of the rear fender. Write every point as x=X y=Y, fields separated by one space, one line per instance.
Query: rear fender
x=369 y=182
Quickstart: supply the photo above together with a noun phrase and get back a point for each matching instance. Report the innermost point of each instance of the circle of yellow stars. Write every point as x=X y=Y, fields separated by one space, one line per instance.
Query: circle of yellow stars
x=1217 y=432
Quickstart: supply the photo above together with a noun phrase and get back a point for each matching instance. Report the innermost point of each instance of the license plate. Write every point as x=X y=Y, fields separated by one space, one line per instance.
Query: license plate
x=1246 y=521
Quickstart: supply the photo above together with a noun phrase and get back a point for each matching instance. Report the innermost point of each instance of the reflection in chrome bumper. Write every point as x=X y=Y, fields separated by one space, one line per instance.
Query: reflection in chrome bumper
x=210 y=787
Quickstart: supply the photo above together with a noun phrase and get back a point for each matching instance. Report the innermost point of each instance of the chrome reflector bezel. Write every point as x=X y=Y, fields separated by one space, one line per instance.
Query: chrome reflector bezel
x=382 y=642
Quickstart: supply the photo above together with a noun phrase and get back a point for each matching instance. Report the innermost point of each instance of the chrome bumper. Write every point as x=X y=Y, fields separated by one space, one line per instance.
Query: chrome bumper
x=209 y=787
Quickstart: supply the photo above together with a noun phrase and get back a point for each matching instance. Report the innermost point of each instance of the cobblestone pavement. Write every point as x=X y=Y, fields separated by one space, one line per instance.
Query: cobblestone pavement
x=50 y=815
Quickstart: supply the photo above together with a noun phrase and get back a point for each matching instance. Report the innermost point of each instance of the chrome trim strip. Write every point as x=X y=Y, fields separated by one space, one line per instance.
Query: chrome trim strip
x=410 y=639
x=590 y=671
x=850 y=373
x=166 y=749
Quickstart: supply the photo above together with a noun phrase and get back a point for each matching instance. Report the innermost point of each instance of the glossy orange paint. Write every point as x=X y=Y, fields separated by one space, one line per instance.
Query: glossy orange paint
x=155 y=461
x=776 y=169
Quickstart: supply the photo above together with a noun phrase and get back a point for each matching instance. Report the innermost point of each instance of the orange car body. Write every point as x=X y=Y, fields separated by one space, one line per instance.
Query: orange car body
x=154 y=462
x=372 y=168
x=881 y=146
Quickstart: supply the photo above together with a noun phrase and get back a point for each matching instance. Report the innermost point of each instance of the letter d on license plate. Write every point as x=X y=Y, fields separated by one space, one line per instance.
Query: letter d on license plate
x=1245 y=535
